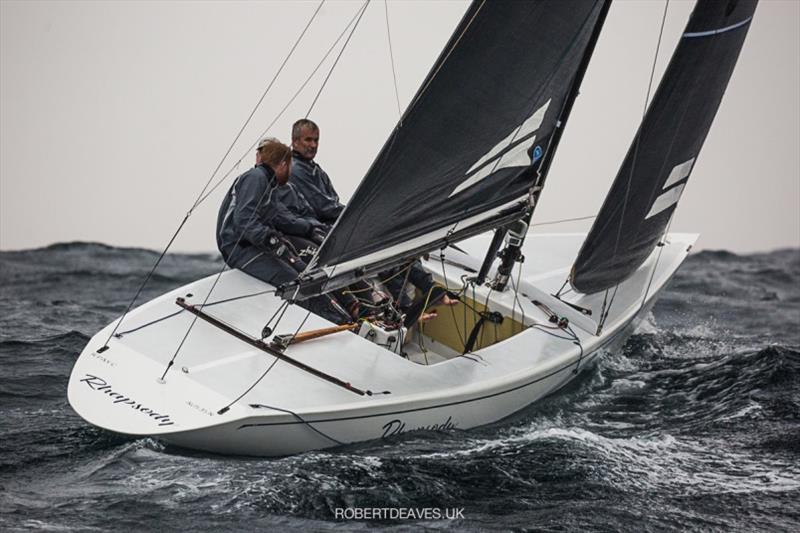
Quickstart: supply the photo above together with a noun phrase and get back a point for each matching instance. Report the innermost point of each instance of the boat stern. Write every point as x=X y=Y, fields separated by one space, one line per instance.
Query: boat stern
x=119 y=390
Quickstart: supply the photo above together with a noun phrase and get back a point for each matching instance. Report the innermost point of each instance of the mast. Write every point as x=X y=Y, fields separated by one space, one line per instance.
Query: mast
x=469 y=152
x=518 y=231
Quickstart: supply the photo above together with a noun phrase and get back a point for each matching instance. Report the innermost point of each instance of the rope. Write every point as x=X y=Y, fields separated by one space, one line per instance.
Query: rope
x=200 y=196
x=405 y=283
x=280 y=310
x=577 y=342
x=301 y=419
x=371 y=288
x=486 y=310
x=452 y=310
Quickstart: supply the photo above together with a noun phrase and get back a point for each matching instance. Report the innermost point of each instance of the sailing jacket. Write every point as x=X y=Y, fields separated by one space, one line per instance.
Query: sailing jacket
x=294 y=215
x=247 y=212
x=316 y=187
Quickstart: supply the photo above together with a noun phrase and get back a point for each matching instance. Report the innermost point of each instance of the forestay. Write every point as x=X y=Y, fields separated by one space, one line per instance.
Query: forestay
x=470 y=145
x=654 y=173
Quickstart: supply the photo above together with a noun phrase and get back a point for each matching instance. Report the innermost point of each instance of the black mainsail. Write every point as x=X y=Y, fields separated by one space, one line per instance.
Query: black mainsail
x=474 y=140
x=649 y=184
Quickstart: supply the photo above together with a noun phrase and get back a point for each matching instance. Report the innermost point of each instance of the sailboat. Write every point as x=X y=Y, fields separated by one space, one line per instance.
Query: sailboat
x=218 y=365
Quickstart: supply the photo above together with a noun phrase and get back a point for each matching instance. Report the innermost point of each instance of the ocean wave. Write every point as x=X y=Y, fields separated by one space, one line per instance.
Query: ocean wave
x=71 y=337
x=694 y=421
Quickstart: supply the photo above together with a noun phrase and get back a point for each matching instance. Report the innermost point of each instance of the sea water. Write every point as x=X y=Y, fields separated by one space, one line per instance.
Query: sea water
x=694 y=424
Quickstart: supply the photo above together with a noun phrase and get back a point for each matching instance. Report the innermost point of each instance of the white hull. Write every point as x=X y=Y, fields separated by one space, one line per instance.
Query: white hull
x=290 y=411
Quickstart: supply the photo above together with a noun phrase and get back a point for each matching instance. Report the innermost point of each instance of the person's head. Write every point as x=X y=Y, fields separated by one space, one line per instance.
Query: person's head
x=277 y=156
x=305 y=138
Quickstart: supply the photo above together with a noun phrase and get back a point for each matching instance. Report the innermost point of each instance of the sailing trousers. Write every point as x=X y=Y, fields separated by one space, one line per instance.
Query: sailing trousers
x=305 y=251
x=272 y=269
x=417 y=277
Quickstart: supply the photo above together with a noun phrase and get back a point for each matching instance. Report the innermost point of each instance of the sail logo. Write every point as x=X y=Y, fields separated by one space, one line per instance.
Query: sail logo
x=670 y=196
x=512 y=151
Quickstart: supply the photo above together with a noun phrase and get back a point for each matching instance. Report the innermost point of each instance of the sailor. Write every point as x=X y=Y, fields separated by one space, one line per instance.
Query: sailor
x=308 y=177
x=307 y=205
x=310 y=190
x=246 y=232
x=297 y=219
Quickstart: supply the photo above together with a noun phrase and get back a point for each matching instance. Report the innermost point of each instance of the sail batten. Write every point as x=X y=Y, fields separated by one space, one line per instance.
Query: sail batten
x=476 y=135
x=657 y=167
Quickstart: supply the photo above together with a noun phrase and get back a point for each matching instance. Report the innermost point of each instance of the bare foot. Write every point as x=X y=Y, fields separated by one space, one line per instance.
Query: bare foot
x=448 y=301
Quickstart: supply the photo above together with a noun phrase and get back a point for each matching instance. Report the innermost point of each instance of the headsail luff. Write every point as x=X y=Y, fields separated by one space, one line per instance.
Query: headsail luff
x=649 y=184
x=465 y=154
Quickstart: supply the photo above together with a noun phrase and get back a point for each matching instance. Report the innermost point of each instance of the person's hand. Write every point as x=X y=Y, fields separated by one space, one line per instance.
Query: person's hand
x=317 y=235
x=286 y=251
x=298 y=264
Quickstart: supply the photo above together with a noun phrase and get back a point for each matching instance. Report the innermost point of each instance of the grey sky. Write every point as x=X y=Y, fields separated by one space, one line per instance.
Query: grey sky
x=114 y=114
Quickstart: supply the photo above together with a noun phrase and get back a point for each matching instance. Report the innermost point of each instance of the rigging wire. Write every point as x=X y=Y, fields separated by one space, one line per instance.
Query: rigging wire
x=658 y=258
x=283 y=110
x=268 y=194
x=200 y=196
x=604 y=314
x=551 y=222
x=391 y=59
x=282 y=308
x=393 y=137
x=336 y=61
x=256 y=382
x=258 y=104
x=176 y=313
